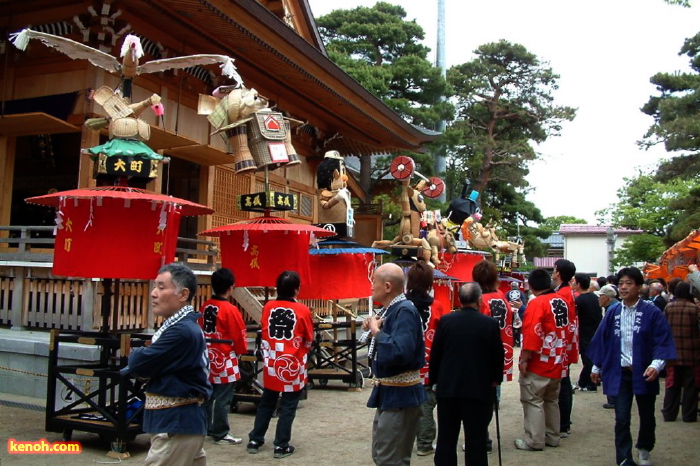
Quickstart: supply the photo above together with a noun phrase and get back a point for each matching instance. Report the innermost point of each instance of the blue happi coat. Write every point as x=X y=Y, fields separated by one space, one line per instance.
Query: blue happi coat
x=652 y=339
x=400 y=348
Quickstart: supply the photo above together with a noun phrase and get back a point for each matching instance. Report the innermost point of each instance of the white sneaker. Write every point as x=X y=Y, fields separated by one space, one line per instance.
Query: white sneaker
x=644 y=458
x=229 y=440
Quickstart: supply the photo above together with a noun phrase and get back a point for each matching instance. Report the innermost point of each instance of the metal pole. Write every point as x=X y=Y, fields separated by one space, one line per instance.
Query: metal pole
x=498 y=427
x=441 y=156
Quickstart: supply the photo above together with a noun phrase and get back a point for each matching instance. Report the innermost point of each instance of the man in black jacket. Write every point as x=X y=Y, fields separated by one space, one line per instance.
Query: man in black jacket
x=467 y=365
x=589 y=316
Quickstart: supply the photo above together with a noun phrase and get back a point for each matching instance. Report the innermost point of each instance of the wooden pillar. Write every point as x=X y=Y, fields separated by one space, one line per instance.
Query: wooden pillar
x=20 y=273
x=88 y=303
x=90 y=138
x=7 y=172
x=151 y=317
x=207 y=178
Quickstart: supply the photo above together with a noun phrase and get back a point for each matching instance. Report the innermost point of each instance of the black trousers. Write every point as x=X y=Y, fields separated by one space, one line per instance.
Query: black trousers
x=566 y=402
x=475 y=416
x=584 y=378
x=623 y=415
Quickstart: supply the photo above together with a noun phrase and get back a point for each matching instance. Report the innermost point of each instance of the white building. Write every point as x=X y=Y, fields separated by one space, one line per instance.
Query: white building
x=591 y=247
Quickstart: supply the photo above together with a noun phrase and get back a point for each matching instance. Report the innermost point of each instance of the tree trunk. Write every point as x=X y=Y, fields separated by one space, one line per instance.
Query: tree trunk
x=366 y=176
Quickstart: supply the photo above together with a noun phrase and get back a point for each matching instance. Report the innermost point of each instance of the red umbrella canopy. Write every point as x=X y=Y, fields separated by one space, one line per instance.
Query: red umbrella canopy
x=187 y=208
x=267 y=223
x=115 y=232
x=339 y=276
x=259 y=249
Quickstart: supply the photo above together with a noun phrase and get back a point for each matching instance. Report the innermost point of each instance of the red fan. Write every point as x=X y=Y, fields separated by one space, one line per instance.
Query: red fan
x=435 y=188
x=402 y=167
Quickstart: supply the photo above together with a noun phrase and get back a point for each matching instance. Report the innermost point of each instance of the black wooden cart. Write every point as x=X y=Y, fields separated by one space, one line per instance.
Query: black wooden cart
x=113 y=406
x=336 y=358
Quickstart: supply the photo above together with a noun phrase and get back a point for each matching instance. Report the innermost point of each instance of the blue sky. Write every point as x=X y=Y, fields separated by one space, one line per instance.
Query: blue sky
x=605 y=52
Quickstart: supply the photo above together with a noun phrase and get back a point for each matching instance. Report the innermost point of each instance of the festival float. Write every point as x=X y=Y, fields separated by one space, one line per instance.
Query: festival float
x=111 y=232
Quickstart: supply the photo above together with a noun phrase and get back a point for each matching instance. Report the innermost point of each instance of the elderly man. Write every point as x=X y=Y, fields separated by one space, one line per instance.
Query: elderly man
x=683 y=317
x=629 y=349
x=399 y=354
x=176 y=364
x=467 y=365
x=656 y=290
x=607 y=296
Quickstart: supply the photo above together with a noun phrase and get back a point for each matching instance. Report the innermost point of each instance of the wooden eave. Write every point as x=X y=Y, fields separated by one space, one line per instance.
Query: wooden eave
x=298 y=77
x=270 y=56
x=31 y=124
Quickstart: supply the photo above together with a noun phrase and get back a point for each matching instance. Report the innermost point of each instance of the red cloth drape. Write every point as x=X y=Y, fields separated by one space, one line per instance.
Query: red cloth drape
x=268 y=254
x=122 y=240
x=460 y=265
x=339 y=276
x=443 y=294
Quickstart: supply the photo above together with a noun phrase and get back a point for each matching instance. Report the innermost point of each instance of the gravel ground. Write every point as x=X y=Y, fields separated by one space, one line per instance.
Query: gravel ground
x=333 y=427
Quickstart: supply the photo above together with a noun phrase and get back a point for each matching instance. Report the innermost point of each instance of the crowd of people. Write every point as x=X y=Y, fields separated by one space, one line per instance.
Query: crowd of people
x=424 y=355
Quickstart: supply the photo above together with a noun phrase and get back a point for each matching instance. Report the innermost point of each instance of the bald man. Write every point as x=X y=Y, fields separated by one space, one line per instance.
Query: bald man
x=398 y=356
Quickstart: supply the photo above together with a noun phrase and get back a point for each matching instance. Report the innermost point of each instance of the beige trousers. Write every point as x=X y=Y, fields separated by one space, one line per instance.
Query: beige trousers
x=176 y=450
x=540 y=399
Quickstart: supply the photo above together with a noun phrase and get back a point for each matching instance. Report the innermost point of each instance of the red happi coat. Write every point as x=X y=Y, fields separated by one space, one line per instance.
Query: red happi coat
x=567 y=294
x=544 y=330
x=221 y=320
x=436 y=311
x=287 y=334
x=497 y=306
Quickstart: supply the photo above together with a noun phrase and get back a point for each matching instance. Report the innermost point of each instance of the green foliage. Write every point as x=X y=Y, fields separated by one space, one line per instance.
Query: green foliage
x=675 y=111
x=382 y=51
x=554 y=223
x=392 y=210
x=645 y=203
x=683 y=3
x=638 y=248
x=504 y=103
x=516 y=216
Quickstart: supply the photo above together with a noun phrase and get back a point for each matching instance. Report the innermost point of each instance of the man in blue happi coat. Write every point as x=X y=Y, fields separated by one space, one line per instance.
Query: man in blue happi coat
x=398 y=356
x=629 y=349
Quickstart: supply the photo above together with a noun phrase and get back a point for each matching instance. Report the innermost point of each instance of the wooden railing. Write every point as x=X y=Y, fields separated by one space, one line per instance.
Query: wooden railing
x=31 y=297
x=26 y=244
x=35 y=244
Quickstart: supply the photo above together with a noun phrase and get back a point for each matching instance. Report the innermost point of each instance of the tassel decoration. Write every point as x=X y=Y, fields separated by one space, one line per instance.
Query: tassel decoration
x=20 y=39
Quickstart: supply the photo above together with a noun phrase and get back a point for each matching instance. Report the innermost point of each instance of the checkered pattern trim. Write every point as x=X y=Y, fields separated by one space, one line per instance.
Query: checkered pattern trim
x=287 y=369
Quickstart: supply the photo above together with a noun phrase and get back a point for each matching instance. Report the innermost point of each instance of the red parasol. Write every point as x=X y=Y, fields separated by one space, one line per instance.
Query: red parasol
x=120 y=192
x=267 y=223
x=116 y=231
x=257 y=250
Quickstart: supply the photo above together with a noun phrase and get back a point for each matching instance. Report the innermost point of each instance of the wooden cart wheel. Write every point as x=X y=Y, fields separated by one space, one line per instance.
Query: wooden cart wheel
x=310 y=384
x=67 y=435
x=359 y=380
x=323 y=382
x=402 y=167
x=435 y=188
